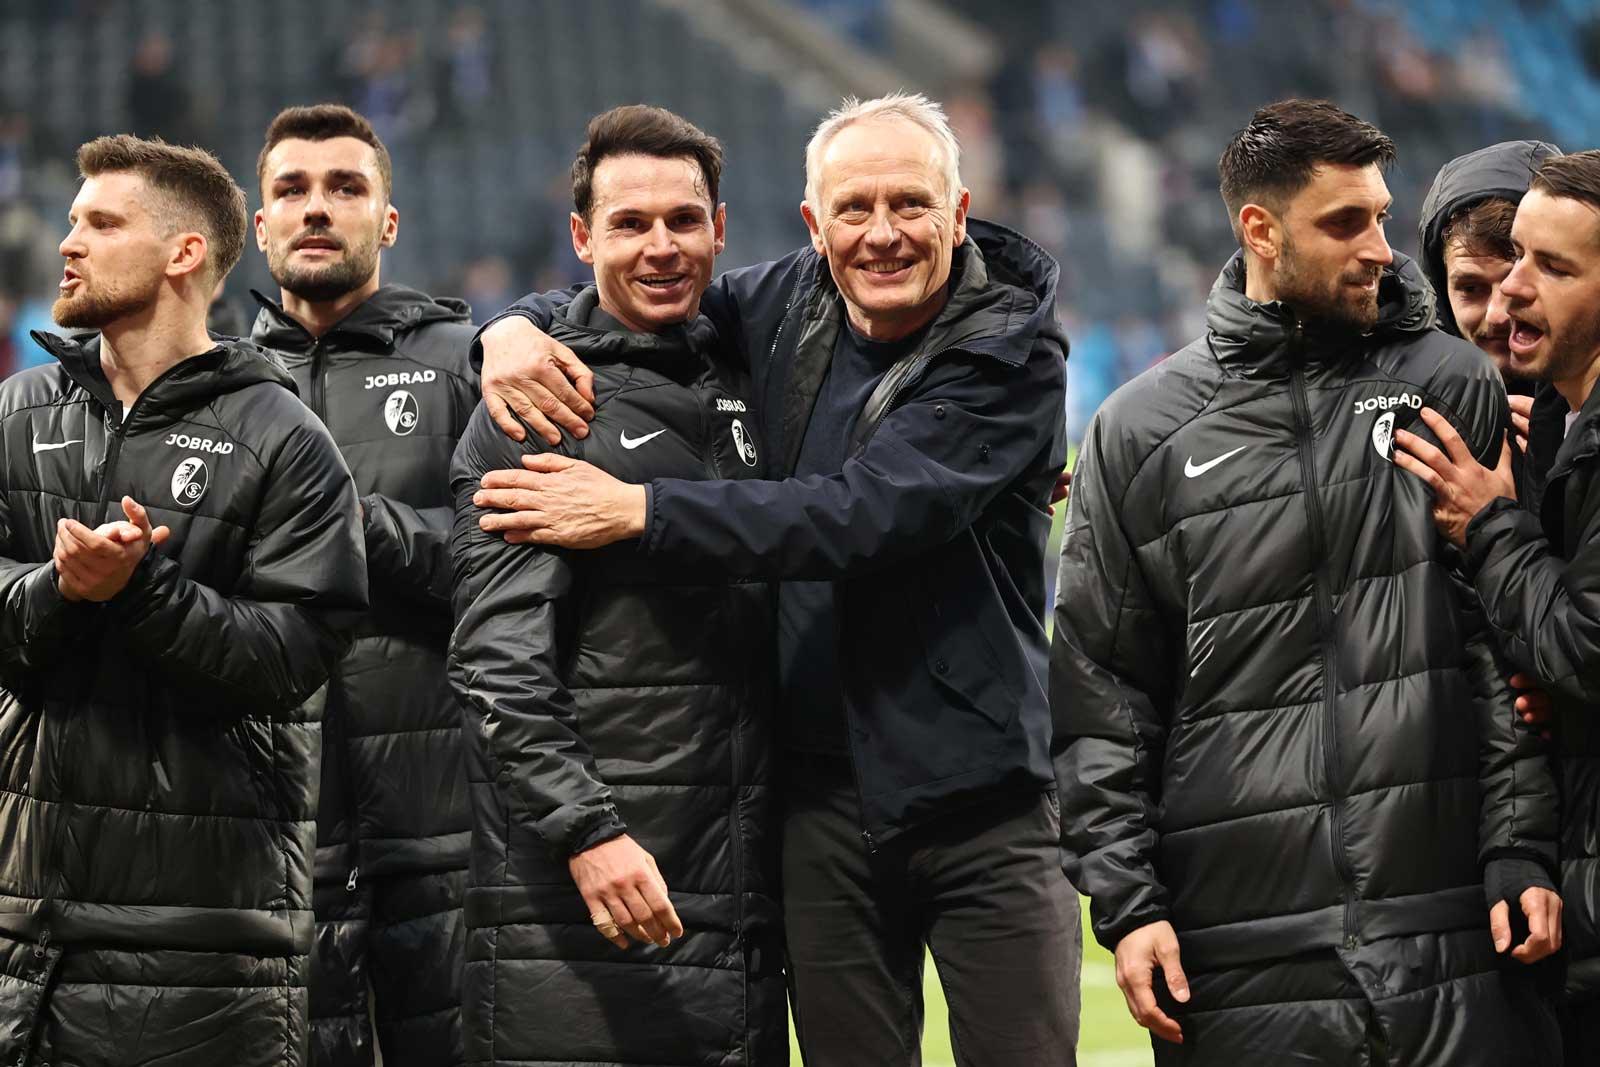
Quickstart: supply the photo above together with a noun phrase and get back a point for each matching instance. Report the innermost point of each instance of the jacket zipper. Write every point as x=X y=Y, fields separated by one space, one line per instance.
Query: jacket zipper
x=735 y=734
x=319 y=381
x=318 y=402
x=913 y=373
x=1306 y=437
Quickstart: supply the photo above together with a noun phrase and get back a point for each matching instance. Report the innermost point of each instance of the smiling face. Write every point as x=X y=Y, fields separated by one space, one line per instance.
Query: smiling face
x=652 y=236
x=1470 y=285
x=325 y=217
x=1332 y=249
x=1553 y=290
x=116 y=253
x=887 y=224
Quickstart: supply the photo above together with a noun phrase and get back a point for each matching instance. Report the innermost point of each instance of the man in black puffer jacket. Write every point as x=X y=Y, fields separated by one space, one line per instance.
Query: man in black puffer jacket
x=618 y=709
x=1535 y=567
x=161 y=747
x=385 y=369
x=1289 y=760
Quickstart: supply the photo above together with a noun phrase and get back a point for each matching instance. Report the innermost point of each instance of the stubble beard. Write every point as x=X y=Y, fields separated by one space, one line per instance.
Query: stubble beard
x=1331 y=302
x=96 y=308
x=1572 y=355
x=320 y=284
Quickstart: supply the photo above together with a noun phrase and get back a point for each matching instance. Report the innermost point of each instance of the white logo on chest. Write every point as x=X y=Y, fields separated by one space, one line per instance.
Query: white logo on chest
x=400 y=412
x=404 y=377
x=189 y=481
x=1384 y=403
x=743 y=442
x=1383 y=435
x=200 y=444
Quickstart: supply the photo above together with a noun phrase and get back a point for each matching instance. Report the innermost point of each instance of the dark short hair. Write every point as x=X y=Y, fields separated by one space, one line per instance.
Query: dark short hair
x=324 y=122
x=1571 y=177
x=638 y=129
x=1482 y=228
x=198 y=192
x=1275 y=155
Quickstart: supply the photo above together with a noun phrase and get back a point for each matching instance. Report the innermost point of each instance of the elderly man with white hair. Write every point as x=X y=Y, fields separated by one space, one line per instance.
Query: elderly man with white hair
x=908 y=389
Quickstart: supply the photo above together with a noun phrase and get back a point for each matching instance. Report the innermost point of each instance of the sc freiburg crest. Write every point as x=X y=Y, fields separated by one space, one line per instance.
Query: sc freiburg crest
x=189 y=481
x=400 y=412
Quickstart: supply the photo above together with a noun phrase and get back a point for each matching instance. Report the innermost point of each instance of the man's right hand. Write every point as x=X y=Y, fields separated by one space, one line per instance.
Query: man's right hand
x=530 y=373
x=620 y=879
x=1138 y=956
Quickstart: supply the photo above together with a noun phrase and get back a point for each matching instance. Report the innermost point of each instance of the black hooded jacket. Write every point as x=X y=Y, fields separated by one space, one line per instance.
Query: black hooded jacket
x=1280 y=725
x=608 y=693
x=1537 y=572
x=1501 y=170
x=392 y=384
x=160 y=758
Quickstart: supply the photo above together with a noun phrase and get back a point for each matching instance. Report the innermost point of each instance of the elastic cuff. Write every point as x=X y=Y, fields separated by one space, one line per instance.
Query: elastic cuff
x=1508 y=877
x=606 y=826
x=649 y=516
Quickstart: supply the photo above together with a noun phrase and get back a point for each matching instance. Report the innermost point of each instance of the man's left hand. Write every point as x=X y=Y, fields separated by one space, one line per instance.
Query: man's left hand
x=96 y=564
x=1462 y=486
x=560 y=501
x=1543 y=909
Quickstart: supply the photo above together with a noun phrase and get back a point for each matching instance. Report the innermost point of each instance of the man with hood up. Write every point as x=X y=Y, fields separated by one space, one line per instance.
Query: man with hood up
x=385 y=368
x=1532 y=548
x=1292 y=780
x=1466 y=251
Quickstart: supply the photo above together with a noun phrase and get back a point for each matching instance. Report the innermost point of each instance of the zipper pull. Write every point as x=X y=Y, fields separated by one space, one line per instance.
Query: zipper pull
x=872 y=846
x=43 y=945
x=350 y=886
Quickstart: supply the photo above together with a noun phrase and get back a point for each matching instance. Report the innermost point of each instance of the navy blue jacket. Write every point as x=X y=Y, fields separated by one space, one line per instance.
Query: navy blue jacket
x=934 y=531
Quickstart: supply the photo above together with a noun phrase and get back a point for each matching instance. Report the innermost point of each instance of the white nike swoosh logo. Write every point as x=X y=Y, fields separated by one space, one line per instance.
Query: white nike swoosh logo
x=637 y=441
x=37 y=447
x=1191 y=470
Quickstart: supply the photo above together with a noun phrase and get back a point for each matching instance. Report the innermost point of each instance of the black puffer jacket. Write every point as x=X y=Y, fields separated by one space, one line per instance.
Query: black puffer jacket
x=160 y=753
x=1278 y=725
x=608 y=693
x=1537 y=572
x=393 y=386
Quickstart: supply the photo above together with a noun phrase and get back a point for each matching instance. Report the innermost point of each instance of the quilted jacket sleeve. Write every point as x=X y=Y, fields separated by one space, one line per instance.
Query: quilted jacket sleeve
x=512 y=605
x=1109 y=712
x=1544 y=610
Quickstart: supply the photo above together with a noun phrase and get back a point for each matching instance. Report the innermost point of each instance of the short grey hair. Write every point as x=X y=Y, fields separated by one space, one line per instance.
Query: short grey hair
x=914 y=108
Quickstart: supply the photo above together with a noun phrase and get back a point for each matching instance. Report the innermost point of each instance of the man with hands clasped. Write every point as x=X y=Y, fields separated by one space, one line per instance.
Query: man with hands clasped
x=1536 y=565
x=180 y=560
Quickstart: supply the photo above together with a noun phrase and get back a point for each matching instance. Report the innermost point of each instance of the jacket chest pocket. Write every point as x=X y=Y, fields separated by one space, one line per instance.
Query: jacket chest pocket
x=953 y=616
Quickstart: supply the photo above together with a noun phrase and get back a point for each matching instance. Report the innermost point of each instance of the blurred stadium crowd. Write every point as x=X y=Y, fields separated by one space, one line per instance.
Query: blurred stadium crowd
x=1093 y=128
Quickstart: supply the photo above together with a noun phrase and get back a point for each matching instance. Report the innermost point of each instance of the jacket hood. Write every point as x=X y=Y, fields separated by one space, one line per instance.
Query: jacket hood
x=1256 y=337
x=1502 y=170
x=674 y=350
x=229 y=367
x=374 y=324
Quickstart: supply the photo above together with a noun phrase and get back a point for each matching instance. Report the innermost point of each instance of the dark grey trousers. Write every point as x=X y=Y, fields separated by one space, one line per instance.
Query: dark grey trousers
x=982 y=890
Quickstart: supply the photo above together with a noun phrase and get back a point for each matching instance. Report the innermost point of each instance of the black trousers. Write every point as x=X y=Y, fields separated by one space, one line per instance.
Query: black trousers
x=1428 y=1000
x=982 y=890
x=1580 y=1033
x=402 y=938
